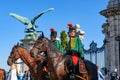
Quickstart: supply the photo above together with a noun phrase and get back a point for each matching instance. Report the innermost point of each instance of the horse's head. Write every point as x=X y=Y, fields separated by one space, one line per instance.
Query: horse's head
x=13 y=55
x=39 y=47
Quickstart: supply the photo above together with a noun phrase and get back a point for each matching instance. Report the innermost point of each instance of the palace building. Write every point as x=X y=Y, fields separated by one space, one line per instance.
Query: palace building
x=111 y=30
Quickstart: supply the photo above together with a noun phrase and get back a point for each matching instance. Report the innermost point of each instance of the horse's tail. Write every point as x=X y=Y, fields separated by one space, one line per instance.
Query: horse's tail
x=92 y=70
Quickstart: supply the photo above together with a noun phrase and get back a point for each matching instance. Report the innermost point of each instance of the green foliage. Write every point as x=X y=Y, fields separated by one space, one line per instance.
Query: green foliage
x=64 y=40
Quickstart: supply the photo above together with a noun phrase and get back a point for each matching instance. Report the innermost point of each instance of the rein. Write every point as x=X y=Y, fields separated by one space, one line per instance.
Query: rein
x=29 y=62
x=53 y=56
x=24 y=58
x=18 y=62
x=45 y=49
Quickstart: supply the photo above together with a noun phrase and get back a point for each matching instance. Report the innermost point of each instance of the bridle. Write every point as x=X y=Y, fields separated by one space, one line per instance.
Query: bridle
x=44 y=48
x=13 y=56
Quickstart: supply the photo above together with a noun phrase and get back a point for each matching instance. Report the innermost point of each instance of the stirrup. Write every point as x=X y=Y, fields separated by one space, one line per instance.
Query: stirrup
x=85 y=72
x=72 y=76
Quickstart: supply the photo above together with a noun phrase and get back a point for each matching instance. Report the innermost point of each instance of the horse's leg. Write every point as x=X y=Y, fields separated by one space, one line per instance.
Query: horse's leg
x=92 y=70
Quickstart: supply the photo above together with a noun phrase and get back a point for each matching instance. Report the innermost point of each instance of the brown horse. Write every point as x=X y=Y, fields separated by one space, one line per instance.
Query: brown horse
x=2 y=74
x=35 y=66
x=56 y=60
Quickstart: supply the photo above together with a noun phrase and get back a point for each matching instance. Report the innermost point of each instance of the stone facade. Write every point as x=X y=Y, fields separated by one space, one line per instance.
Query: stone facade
x=111 y=29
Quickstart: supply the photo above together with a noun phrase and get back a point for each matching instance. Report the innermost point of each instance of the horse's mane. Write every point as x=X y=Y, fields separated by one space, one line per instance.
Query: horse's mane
x=17 y=45
x=51 y=45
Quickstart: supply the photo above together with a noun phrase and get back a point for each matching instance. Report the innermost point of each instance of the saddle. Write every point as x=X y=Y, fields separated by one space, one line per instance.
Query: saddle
x=76 y=61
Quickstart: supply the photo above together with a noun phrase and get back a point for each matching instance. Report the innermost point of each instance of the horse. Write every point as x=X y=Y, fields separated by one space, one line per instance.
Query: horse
x=56 y=61
x=36 y=67
x=2 y=74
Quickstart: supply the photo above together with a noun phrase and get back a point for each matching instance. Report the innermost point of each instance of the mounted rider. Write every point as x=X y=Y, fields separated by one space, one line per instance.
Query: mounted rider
x=75 y=42
x=75 y=49
x=55 y=41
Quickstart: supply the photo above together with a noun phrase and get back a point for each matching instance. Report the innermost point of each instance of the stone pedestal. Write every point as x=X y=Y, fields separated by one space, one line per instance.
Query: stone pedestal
x=28 y=43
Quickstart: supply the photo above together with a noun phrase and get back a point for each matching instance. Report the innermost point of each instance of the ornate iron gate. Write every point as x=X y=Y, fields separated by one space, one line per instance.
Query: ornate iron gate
x=95 y=54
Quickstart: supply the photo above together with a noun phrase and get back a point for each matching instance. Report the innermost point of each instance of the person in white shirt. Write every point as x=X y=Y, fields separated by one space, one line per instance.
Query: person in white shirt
x=100 y=75
x=12 y=75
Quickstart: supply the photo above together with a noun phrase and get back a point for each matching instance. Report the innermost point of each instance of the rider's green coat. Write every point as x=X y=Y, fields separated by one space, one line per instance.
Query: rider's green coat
x=76 y=44
x=58 y=45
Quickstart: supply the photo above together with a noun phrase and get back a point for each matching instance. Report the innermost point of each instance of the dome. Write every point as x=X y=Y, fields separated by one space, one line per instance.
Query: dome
x=113 y=3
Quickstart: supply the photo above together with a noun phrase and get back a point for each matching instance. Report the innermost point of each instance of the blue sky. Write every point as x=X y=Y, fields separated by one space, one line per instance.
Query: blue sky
x=85 y=13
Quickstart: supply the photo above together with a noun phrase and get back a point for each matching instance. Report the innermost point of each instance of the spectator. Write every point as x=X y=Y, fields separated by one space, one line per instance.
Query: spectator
x=100 y=75
x=114 y=75
x=119 y=78
x=9 y=75
x=20 y=75
x=29 y=75
x=25 y=77
x=12 y=74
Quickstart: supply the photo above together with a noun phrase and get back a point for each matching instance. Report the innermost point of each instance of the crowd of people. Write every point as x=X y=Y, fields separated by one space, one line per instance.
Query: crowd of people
x=13 y=74
x=112 y=75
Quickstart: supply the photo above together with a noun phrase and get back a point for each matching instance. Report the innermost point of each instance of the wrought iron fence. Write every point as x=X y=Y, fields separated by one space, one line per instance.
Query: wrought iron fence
x=95 y=54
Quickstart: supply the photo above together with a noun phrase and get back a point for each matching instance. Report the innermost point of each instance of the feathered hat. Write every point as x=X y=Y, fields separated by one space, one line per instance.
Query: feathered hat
x=77 y=27
x=53 y=32
x=71 y=28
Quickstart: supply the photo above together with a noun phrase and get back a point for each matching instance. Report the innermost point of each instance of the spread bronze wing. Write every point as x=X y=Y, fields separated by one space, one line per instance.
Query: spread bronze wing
x=40 y=14
x=22 y=19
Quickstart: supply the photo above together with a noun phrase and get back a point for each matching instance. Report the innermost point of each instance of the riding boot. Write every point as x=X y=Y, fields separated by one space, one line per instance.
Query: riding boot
x=74 y=72
x=74 y=69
